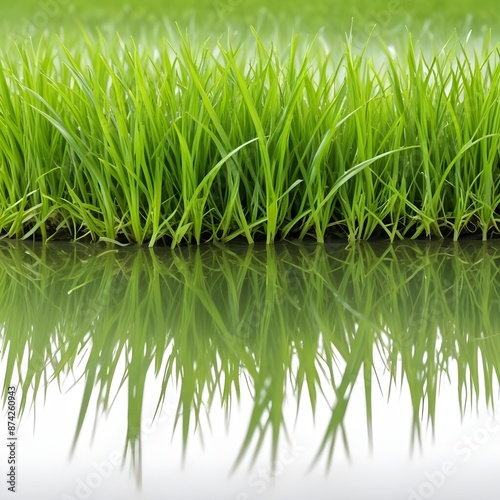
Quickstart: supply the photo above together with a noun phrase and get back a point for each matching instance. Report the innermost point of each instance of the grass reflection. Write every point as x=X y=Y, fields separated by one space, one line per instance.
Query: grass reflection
x=300 y=321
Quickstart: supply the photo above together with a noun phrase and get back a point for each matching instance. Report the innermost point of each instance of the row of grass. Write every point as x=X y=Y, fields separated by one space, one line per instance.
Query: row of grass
x=174 y=142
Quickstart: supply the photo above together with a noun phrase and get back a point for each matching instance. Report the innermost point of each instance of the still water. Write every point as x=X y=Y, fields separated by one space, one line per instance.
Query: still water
x=285 y=372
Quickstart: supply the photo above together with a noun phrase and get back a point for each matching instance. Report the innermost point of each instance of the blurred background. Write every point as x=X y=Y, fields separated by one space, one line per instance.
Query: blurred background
x=435 y=20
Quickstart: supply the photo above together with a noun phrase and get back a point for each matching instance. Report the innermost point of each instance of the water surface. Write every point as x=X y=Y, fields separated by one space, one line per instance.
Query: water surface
x=279 y=372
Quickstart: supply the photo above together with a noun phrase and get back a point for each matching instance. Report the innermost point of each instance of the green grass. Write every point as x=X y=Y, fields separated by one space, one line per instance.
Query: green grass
x=175 y=141
x=302 y=321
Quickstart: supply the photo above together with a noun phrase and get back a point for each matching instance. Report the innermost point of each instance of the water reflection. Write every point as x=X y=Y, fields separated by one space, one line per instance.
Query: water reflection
x=307 y=323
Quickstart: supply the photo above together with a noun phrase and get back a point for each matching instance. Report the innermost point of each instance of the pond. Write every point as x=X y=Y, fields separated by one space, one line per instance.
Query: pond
x=237 y=372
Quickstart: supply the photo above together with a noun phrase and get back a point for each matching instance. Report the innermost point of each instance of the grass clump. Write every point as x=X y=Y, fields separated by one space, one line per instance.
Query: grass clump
x=171 y=142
